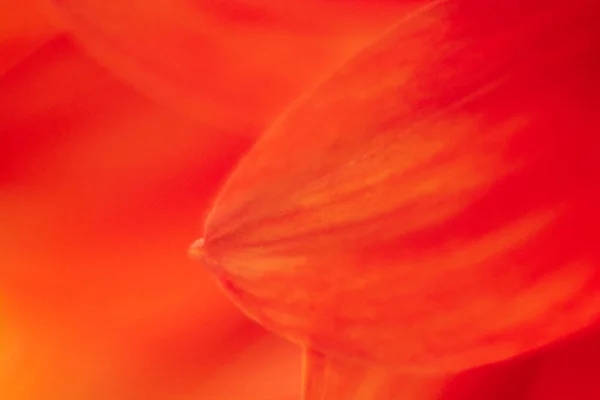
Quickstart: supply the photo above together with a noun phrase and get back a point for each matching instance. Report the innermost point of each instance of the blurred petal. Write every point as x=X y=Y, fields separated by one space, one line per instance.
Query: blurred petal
x=507 y=380
x=569 y=371
x=235 y=64
x=265 y=370
x=331 y=378
x=426 y=208
x=101 y=187
x=24 y=27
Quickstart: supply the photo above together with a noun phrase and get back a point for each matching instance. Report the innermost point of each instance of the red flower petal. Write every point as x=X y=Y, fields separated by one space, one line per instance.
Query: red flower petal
x=569 y=371
x=433 y=205
x=24 y=27
x=235 y=64
x=332 y=378
x=100 y=187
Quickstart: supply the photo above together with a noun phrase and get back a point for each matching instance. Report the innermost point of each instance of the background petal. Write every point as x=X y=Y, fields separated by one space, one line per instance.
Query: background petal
x=102 y=189
x=234 y=64
x=569 y=370
x=342 y=379
x=24 y=27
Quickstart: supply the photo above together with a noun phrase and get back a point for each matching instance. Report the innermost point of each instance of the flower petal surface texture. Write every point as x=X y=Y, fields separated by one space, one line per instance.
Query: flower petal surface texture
x=557 y=372
x=433 y=205
x=437 y=188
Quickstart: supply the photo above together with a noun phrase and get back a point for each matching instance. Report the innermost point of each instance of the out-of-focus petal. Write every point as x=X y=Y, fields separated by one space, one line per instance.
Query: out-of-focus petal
x=569 y=371
x=433 y=205
x=101 y=189
x=510 y=379
x=332 y=378
x=24 y=27
x=267 y=369
x=232 y=63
